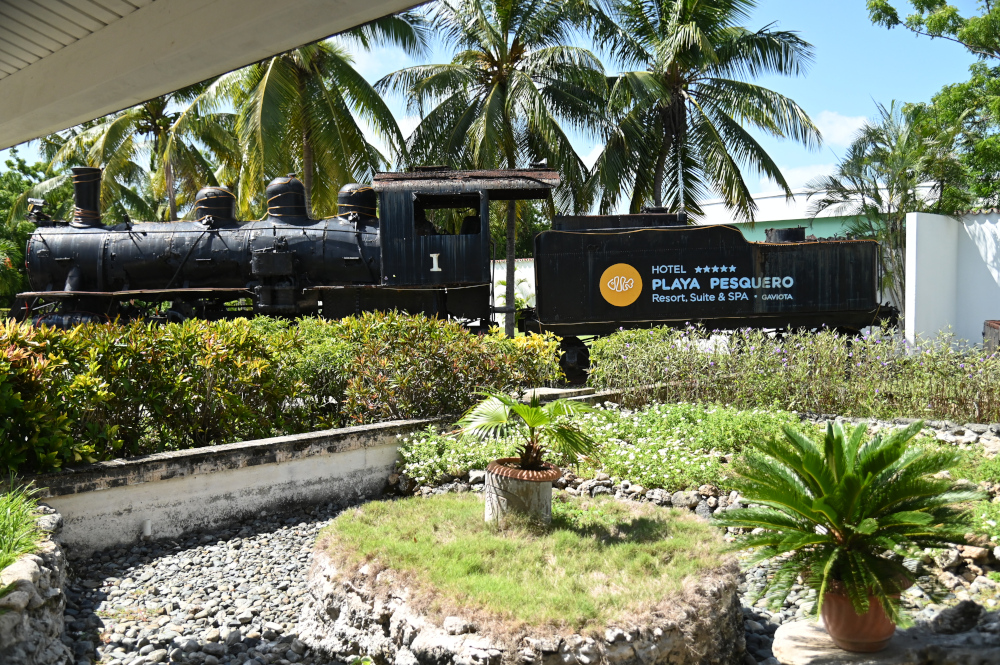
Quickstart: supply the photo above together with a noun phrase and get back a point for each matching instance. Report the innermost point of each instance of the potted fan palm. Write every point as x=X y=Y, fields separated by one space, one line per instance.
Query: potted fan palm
x=523 y=484
x=842 y=513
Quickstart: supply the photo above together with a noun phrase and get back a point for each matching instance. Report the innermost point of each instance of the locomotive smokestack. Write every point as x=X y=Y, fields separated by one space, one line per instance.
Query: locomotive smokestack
x=286 y=198
x=215 y=202
x=87 y=196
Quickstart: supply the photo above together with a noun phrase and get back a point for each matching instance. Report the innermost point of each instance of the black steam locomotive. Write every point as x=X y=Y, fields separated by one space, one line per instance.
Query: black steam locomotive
x=594 y=274
x=286 y=264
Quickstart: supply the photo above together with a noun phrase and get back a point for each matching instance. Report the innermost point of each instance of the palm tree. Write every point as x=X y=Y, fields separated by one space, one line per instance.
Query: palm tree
x=679 y=121
x=145 y=153
x=500 y=101
x=543 y=426
x=900 y=163
x=300 y=112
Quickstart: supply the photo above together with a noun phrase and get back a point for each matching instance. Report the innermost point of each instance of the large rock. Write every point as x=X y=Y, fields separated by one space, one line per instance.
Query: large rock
x=347 y=614
x=31 y=612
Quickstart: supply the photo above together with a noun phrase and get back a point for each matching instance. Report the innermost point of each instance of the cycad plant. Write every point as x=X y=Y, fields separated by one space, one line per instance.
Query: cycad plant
x=843 y=512
x=543 y=427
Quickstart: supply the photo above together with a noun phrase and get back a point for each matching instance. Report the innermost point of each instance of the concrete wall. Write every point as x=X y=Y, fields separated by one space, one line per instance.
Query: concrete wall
x=952 y=274
x=106 y=504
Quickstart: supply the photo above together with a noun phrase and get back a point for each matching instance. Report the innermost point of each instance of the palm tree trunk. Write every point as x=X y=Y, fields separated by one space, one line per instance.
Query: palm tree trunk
x=168 y=177
x=307 y=169
x=511 y=236
x=661 y=159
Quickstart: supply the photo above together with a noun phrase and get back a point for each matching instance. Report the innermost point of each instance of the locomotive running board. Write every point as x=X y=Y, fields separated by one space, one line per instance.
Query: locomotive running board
x=138 y=293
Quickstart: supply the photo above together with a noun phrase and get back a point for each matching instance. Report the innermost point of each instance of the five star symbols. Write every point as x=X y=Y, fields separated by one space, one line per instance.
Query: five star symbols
x=701 y=269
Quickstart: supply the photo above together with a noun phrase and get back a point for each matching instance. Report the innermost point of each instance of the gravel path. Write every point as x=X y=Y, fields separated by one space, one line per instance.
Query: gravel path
x=230 y=596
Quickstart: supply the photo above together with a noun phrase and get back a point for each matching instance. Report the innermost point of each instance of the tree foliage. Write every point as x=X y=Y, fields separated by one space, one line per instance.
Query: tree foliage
x=304 y=112
x=678 y=126
x=973 y=107
x=980 y=33
x=903 y=162
x=18 y=178
x=507 y=97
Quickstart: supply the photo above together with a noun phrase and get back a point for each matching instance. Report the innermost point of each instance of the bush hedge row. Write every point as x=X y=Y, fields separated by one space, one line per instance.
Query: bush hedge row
x=874 y=375
x=100 y=392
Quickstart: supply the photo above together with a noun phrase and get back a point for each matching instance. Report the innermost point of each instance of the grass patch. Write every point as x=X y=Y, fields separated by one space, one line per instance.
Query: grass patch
x=18 y=533
x=601 y=561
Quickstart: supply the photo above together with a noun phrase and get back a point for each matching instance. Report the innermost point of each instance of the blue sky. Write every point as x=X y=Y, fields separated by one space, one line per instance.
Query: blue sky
x=857 y=65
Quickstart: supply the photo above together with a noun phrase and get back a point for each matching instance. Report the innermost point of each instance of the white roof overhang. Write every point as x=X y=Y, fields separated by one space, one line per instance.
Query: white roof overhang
x=63 y=62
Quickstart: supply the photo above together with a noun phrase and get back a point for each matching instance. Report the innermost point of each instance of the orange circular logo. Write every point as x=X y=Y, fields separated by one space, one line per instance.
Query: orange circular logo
x=621 y=285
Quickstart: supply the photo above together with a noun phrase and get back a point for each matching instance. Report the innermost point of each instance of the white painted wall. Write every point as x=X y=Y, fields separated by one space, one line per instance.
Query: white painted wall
x=952 y=274
x=206 y=496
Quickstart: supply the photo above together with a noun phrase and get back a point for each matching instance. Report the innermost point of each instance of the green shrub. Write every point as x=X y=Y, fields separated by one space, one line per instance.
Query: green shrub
x=18 y=533
x=35 y=432
x=877 y=375
x=183 y=385
x=387 y=366
x=842 y=511
x=100 y=392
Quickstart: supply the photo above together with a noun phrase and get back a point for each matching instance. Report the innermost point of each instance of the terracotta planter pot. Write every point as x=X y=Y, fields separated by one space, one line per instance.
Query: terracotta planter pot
x=866 y=633
x=510 y=489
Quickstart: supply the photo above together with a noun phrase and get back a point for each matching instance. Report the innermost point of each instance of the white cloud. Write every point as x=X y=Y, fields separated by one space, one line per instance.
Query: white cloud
x=837 y=129
x=796 y=176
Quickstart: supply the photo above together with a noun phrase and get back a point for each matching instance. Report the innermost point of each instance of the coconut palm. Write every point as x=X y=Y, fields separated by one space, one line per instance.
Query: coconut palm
x=680 y=119
x=542 y=426
x=506 y=98
x=146 y=155
x=842 y=512
x=303 y=112
x=897 y=164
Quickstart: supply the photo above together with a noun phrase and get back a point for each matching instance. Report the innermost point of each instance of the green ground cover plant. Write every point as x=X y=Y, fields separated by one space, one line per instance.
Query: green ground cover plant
x=18 y=533
x=877 y=375
x=100 y=392
x=601 y=560
x=669 y=446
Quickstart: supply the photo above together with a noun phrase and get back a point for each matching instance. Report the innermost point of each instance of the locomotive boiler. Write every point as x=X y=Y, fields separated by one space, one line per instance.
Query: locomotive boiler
x=287 y=263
